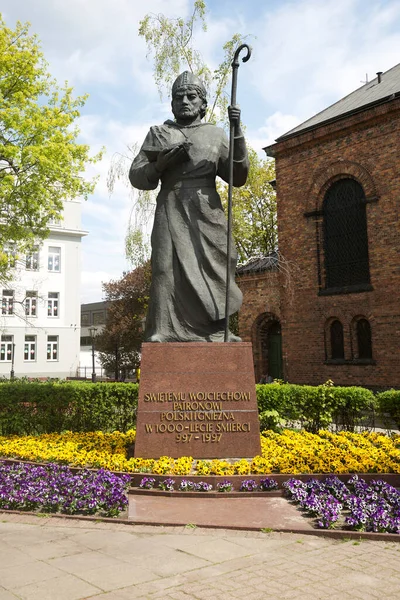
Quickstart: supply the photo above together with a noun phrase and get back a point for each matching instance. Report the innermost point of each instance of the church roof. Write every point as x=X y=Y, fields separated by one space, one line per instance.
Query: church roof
x=383 y=88
x=258 y=264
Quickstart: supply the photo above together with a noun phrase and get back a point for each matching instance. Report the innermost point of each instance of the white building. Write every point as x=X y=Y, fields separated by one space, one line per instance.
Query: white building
x=40 y=309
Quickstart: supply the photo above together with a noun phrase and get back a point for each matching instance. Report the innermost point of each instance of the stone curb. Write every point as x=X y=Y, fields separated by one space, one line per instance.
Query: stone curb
x=339 y=534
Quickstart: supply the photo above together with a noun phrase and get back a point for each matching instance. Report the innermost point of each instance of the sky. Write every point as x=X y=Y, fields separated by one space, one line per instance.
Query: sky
x=306 y=55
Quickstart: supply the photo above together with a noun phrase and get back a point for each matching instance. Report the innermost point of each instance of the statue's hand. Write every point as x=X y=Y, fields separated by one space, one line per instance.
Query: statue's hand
x=170 y=157
x=234 y=114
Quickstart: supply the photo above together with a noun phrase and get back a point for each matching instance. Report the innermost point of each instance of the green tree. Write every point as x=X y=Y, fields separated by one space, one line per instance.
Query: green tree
x=171 y=43
x=41 y=163
x=119 y=343
x=254 y=219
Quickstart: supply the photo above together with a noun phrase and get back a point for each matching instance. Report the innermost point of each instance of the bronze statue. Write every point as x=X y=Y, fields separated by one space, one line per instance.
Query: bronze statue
x=189 y=237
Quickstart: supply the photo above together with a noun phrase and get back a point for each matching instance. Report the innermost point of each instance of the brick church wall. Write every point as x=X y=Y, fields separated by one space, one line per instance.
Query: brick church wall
x=261 y=301
x=366 y=147
x=261 y=294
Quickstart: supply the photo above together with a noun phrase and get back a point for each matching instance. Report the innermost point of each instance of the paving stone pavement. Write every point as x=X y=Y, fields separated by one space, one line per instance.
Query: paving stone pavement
x=44 y=558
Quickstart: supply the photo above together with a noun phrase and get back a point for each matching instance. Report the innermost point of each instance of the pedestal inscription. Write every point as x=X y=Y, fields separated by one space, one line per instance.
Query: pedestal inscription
x=197 y=399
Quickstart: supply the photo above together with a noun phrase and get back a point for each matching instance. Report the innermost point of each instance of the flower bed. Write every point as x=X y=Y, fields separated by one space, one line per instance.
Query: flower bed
x=187 y=485
x=96 y=449
x=236 y=486
x=290 y=452
x=357 y=505
x=56 y=489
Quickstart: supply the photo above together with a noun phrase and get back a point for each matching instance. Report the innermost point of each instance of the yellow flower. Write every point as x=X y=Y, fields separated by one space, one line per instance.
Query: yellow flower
x=287 y=452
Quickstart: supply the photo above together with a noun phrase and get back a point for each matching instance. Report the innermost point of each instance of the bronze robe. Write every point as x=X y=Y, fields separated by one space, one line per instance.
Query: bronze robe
x=189 y=237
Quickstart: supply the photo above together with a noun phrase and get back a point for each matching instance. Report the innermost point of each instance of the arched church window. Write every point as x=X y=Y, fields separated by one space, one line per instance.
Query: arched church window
x=337 y=341
x=364 y=338
x=345 y=235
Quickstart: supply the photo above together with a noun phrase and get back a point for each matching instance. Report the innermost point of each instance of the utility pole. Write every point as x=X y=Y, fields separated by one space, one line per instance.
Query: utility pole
x=12 y=374
x=92 y=332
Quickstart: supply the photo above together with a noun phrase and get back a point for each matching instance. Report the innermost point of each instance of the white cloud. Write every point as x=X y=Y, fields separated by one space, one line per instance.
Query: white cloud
x=311 y=53
x=275 y=126
x=89 y=40
x=92 y=285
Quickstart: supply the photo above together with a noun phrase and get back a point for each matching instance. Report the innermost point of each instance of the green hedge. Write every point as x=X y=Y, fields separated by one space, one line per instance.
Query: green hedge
x=32 y=407
x=315 y=407
x=45 y=407
x=389 y=407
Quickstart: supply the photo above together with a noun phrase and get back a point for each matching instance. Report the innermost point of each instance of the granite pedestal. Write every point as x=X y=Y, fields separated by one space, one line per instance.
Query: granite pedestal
x=197 y=399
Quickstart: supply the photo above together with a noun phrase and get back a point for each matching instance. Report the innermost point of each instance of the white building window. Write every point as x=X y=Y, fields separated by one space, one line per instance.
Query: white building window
x=30 y=348
x=52 y=347
x=7 y=305
x=32 y=260
x=6 y=348
x=31 y=304
x=54 y=259
x=52 y=304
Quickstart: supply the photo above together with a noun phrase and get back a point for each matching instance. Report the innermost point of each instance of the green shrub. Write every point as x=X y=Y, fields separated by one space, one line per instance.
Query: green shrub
x=389 y=407
x=354 y=407
x=33 y=407
x=309 y=405
x=314 y=407
x=285 y=399
x=271 y=420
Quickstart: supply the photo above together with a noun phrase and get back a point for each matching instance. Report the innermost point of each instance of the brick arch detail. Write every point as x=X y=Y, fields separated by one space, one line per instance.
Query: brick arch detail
x=328 y=322
x=335 y=317
x=327 y=332
x=266 y=318
x=345 y=315
x=353 y=331
x=341 y=169
x=262 y=319
x=332 y=313
x=359 y=316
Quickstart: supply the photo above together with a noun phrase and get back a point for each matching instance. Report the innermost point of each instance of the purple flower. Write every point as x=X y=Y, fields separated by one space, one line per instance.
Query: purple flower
x=225 y=486
x=248 y=485
x=147 y=483
x=55 y=488
x=373 y=506
x=190 y=486
x=267 y=484
x=186 y=486
x=167 y=485
x=202 y=486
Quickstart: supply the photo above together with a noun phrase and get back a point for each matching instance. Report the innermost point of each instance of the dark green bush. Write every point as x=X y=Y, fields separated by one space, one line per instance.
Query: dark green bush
x=271 y=419
x=32 y=407
x=354 y=407
x=389 y=407
x=314 y=407
x=309 y=405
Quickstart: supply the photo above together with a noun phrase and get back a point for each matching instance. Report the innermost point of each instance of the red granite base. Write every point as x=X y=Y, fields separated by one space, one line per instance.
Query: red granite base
x=197 y=399
x=234 y=513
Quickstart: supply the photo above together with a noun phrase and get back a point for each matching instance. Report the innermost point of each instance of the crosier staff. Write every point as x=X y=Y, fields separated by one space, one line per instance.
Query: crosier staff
x=235 y=66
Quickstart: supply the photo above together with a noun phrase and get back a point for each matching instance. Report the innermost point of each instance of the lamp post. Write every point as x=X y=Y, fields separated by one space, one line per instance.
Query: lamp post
x=92 y=332
x=12 y=362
